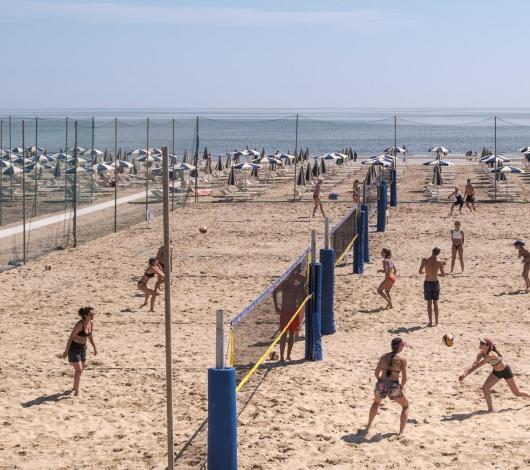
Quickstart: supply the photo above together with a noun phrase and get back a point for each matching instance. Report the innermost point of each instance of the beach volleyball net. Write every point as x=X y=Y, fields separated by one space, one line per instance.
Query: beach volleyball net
x=256 y=331
x=343 y=234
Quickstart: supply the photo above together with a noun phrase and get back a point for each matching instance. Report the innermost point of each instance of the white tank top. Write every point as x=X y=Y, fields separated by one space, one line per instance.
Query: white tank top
x=457 y=235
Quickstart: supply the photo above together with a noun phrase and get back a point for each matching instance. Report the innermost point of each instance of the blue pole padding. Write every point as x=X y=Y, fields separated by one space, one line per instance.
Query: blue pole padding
x=327 y=260
x=358 y=255
x=393 y=189
x=222 y=419
x=314 y=315
x=366 y=226
x=381 y=208
x=384 y=189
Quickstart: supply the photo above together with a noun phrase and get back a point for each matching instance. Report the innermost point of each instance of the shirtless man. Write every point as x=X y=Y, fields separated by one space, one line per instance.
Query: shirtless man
x=431 y=287
x=160 y=257
x=469 y=196
x=316 y=198
x=387 y=372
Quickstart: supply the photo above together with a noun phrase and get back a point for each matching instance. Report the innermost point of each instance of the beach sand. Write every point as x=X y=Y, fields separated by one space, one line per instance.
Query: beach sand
x=303 y=415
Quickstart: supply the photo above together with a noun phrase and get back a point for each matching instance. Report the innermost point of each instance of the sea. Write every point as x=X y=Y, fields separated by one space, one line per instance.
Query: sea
x=367 y=131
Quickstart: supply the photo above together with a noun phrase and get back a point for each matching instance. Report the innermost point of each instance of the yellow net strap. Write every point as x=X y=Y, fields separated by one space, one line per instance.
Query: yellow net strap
x=348 y=248
x=271 y=347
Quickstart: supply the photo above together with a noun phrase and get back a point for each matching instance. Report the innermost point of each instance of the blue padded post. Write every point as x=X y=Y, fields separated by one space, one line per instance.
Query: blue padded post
x=393 y=189
x=358 y=258
x=366 y=251
x=313 y=327
x=222 y=419
x=327 y=259
x=381 y=207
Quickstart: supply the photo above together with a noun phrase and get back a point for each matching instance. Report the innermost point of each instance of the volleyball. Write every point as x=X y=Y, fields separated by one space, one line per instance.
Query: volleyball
x=274 y=356
x=448 y=340
x=203 y=229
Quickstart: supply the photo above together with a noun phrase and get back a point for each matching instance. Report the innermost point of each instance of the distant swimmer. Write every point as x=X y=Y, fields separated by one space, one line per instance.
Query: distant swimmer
x=160 y=257
x=431 y=286
x=152 y=269
x=390 y=270
x=525 y=254
x=457 y=240
x=387 y=373
x=469 y=195
x=490 y=355
x=316 y=198
x=459 y=200
x=76 y=345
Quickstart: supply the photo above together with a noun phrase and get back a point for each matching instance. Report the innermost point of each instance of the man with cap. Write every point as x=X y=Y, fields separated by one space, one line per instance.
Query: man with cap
x=389 y=368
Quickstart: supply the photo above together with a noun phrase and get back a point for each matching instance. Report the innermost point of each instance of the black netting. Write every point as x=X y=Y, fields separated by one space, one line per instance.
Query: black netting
x=343 y=234
x=256 y=327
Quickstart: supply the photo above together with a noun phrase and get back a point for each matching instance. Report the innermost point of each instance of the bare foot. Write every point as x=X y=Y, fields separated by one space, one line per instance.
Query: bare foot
x=143 y=305
x=429 y=324
x=151 y=310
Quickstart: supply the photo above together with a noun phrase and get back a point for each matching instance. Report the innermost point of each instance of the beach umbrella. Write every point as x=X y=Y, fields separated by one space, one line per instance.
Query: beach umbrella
x=41 y=159
x=57 y=170
x=61 y=156
x=17 y=150
x=394 y=150
x=328 y=156
x=33 y=149
x=186 y=167
x=232 y=177
x=507 y=169
x=124 y=164
x=136 y=153
x=94 y=153
x=250 y=153
x=316 y=169
x=12 y=171
x=437 y=176
x=322 y=167
x=80 y=161
x=79 y=150
x=271 y=160
x=21 y=159
x=439 y=149
x=185 y=157
x=438 y=163
x=377 y=162
x=37 y=167
x=101 y=168
x=219 y=166
x=300 y=181
x=73 y=170
x=5 y=163
x=247 y=166
x=524 y=150
x=149 y=159
x=494 y=159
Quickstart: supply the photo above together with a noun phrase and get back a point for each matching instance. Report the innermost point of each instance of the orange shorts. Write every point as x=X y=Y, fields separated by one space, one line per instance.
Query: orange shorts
x=284 y=319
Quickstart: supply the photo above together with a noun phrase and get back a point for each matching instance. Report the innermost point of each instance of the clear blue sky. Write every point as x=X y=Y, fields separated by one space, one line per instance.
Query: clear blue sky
x=268 y=53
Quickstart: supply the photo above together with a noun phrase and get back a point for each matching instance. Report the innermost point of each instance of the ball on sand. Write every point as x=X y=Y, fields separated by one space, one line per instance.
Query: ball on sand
x=449 y=339
x=203 y=229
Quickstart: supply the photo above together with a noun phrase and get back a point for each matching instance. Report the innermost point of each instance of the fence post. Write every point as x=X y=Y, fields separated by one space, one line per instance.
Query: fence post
x=23 y=196
x=147 y=168
x=115 y=175
x=173 y=160
x=393 y=189
x=167 y=308
x=381 y=207
x=222 y=408
x=10 y=162
x=1 y=175
x=196 y=159
x=313 y=348
x=66 y=165
x=35 y=168
x=495 y=153
x=358 y=255
x=93 y=163
x=295 y=158
x=74 y=192
x=327 y=260
x=366 y=251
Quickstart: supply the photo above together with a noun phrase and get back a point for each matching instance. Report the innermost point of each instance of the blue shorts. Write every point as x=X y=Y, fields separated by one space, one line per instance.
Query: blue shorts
x=77 y=352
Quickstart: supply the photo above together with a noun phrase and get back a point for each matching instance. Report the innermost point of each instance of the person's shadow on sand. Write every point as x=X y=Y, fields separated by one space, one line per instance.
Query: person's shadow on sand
x=360 y=437
x=464 y=416
x=515 y=292
x=56 y=397
x=402 y=329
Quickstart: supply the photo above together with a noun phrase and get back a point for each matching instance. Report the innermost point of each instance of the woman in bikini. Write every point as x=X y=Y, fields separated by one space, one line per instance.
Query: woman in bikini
x=457 y=239
x=489 y=355
x=525 y=254
x=459 y=200
x=76 y=345
x=389 y=268
x=316 y=198
x=152 y=269
x=355 y=192
x=387 y=372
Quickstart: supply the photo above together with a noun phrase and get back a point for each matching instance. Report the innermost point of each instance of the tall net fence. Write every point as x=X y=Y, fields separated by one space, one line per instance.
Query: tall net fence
x=279 y=308
x=343 y=235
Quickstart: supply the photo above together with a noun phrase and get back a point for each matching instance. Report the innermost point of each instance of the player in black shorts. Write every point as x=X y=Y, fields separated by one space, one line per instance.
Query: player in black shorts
x=459 y=200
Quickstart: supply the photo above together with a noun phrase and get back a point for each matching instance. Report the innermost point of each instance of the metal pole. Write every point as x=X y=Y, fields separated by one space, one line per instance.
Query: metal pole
x=313 y=247
x=23 y=197
x=35 y=167
x=65 y=161
x=495 y=153
x=1 y=175
x=147 y=169
x=74 y=192
x=196 y=158
x=296 y=158
x=115 y=175
x=10 y=160
x=326 y=233
x=219 y=340
x=92 y=168
x=173 y=172
x=167 y=308
x=395 y=141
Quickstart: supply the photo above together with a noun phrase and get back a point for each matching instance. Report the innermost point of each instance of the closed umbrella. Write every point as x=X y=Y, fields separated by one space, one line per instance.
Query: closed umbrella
x=228 y=163
x=308 y=172
x=254 y=172
x=232 y=177
x=437 y=176
x=301 y=180
x=322 y=167
x=57 y=170
x=208 y=167
x=219 y=166
x=205 y=154
x=316 y=169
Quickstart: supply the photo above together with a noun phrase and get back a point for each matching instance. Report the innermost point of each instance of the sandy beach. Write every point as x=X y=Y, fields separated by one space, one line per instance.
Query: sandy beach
x=304 y=415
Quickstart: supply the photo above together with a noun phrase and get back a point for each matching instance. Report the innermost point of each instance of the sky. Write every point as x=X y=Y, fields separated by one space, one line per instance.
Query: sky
x=270 y=53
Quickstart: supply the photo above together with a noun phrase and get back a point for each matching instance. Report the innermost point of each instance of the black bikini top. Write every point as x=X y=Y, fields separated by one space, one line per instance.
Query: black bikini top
x=149 y=275
x=82 y=332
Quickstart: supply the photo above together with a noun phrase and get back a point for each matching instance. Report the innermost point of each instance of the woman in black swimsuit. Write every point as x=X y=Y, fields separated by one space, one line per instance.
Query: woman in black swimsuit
x=489 y=355
x=76 y=345
x=152 y=269
x=459 y=200
x=525 y=254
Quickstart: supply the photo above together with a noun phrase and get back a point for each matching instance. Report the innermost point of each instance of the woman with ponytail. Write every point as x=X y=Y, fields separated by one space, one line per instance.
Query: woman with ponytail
x=76 y=345
x=488 y=354
x=390 y=366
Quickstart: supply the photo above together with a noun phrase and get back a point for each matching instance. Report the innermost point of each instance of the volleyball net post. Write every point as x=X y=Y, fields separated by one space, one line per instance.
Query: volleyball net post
x=327 y=260
x=366 y=251
x=393 y=188
x=382 y=207
x=313 y=344
x=222 y=408
x=358 y=252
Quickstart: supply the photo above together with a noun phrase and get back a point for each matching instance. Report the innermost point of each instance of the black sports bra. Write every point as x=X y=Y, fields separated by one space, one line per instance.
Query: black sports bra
x=82 y=332
x=149 y=275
